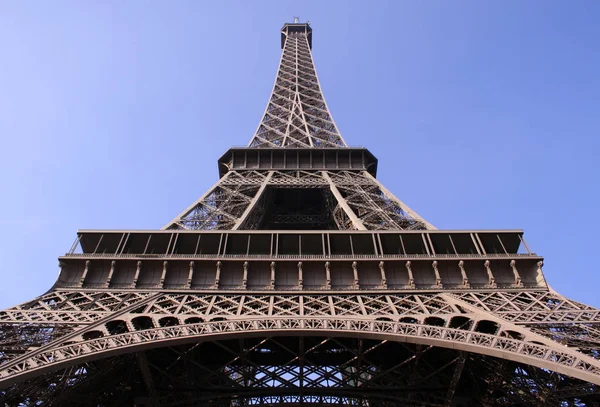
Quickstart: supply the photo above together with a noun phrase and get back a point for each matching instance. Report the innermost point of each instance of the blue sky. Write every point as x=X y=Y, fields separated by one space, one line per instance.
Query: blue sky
x=483 y=115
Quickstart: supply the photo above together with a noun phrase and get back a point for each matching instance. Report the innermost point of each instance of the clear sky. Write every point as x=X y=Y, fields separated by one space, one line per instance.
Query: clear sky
x=483 y=115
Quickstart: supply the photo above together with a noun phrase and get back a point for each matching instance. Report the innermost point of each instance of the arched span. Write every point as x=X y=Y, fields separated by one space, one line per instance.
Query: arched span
x=560 y=360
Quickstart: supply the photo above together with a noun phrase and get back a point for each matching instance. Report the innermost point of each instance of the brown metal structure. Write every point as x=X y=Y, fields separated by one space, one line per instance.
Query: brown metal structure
x=299 y=279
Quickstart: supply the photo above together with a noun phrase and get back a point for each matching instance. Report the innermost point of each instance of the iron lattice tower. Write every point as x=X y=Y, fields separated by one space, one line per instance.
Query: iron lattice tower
x=299 y=279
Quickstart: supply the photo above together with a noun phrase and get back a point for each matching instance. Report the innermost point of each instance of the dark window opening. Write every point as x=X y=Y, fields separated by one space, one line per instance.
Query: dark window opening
x=297 y=209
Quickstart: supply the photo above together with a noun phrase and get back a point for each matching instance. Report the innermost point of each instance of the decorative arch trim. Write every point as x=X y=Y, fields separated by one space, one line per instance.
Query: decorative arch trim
x=563 y=361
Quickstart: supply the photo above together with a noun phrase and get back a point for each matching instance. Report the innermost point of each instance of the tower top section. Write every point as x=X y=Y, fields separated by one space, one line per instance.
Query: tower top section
x=296 y=27
x=297 y=115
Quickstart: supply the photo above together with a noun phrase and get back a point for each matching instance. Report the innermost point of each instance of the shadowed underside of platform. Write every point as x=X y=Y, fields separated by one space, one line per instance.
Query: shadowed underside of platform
x=303 y=370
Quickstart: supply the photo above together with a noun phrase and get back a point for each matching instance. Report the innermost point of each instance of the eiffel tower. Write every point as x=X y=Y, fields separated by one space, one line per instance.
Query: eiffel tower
x=299 y=279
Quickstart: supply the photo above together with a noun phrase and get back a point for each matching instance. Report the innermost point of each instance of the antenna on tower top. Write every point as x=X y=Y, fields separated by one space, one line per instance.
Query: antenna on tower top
x=296 y=20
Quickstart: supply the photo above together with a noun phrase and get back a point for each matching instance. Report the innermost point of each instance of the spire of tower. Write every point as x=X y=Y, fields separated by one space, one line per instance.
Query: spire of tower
x=297 y=115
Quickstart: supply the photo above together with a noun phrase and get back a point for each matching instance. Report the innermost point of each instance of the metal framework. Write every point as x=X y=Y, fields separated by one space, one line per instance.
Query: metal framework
x=299 y=279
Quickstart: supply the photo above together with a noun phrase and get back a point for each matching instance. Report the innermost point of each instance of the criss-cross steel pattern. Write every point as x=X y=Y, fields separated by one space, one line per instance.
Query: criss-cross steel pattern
x=357 y=201
x=298 y=118
x=299 y=279
x=297 y=115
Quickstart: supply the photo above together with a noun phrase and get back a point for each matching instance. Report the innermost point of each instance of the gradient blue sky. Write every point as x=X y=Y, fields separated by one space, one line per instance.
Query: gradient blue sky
x=482 y=114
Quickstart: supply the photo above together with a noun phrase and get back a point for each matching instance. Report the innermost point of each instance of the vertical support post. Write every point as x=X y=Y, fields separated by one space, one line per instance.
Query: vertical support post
x=190 y=275
x=540 y=280
x=492 y=280
x=85 y=272
x=461 y=266
x=300 y=279
x=136 y=276
x=217 y=276
x=164 y=274
x=327 y=276
x=272 y=286
x=411 y=278
x=518 y=282
x=438 y=278
x=110 y=273
x=355 y=284
x=383 y=278
x=245 y=275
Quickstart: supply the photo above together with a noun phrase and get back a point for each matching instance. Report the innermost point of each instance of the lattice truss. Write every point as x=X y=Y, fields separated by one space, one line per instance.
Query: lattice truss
x=251 y=348
x=359 y=201
x=297 y=115
x=496 y=347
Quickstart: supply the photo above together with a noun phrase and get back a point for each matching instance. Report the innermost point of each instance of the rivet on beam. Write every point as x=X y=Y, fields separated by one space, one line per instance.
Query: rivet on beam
x=272 y=285
x=217 y=276
x=190 y=275
x=540 y=275
x=245 y=276
x=411 y=279
x=110 y=273
x=518 y=282
x=383 y=278
x=461 y=266
x=438 y=279
x=138 y=268
x=491 y=279
x=300 y=278
x=327 y=275
x=355 y=284
x=85 y=272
